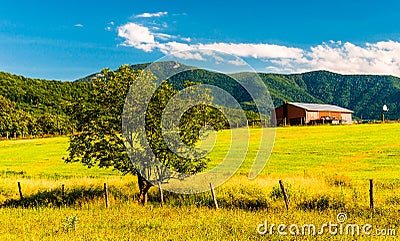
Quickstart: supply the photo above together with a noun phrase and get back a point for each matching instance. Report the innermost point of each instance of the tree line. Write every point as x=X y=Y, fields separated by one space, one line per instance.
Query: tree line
x=34 y=107
x=16 y=123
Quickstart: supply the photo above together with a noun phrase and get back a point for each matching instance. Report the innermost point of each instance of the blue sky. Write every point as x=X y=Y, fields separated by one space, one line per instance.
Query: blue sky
x=67 y=40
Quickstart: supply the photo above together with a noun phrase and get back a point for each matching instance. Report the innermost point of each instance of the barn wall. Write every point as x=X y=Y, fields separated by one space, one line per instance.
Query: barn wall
x=312 y=115
x=295 y=112
x=279 y=113
x=346 y=118
x=337 y=115
x=297 y=115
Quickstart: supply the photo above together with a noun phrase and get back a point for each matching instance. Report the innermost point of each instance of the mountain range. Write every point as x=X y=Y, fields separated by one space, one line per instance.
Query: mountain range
x=364 y=94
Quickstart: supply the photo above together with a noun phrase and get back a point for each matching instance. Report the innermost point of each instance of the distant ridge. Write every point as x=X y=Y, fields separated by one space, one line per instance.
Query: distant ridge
x=364 y=94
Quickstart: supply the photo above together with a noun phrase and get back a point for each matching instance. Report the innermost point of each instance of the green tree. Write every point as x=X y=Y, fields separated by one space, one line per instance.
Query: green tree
x=99 y=140
x=21 y=123
x=47 y=123
x=6 y=111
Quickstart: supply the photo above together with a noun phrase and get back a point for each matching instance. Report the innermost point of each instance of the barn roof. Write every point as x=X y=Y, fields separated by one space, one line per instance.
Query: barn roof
x=320 y=107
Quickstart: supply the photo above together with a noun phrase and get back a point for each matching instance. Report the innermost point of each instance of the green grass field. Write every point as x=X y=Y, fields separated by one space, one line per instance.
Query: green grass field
x=325 y=169
x=42 y=158
x=358 y=151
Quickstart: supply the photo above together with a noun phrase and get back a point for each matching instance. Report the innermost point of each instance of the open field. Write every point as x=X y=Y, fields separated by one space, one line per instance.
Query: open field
x=325 y=168
x=358 y=151
x=38 y=158
x=132 y=222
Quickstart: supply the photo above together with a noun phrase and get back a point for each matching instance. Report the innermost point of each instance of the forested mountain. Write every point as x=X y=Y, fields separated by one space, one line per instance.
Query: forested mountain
x=32 y=106
x=364 y=94
x=40 y=96
x=36 y=107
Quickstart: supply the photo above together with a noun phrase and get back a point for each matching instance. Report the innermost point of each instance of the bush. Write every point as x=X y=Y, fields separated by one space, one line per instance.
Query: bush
x=321 y=203
x=54 y=198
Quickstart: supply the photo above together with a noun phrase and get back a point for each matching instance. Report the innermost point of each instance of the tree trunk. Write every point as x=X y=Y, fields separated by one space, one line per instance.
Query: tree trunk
x=144 y=187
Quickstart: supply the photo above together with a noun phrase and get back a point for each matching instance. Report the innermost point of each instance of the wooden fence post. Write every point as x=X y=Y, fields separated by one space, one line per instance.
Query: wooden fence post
x=371 y=193
x=213 y=196
x=284 y=194
x=63 y=194
x=106 y=194
x=161 y=194
x=62 y=190
x=20 y=191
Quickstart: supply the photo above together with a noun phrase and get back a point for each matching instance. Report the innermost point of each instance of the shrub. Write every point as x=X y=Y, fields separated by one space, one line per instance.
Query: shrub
x=321 y=203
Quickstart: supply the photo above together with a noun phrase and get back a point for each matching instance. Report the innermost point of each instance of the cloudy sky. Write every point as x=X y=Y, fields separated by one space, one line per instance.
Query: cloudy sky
x=67 y=40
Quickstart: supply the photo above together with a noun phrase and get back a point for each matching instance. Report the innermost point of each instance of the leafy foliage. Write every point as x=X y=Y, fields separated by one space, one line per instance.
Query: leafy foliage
x=99 y=141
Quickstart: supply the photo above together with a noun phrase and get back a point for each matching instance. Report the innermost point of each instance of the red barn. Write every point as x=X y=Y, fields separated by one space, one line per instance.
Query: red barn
x=293 y=113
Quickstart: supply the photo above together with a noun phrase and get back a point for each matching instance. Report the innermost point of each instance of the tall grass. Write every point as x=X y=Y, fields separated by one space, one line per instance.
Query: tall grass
x=128 y=221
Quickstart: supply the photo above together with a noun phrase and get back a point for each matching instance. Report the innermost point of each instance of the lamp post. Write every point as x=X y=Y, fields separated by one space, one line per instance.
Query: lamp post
x=384 y=109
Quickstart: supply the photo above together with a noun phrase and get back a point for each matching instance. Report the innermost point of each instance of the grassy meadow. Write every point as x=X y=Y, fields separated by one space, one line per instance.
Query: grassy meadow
x=325 y=169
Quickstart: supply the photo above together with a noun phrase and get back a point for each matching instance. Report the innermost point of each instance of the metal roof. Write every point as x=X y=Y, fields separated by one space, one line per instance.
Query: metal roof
x=320 y=107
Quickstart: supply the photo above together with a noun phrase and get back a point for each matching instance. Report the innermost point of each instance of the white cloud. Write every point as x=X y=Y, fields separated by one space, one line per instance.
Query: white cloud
x=110 y=26
x=237 y=62
x=337 y=56
x=151 y=15
x=79 y=25
x=347 y=58
x=163 y=36
x=137 y=36
x=186 y=39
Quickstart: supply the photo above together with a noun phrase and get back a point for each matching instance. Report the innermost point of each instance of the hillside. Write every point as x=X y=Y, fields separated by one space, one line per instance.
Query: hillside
x=365 y=94
x=36 y=107
x=38 y=96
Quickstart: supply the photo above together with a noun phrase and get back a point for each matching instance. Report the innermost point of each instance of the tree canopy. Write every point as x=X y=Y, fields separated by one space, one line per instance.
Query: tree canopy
x=99 y=140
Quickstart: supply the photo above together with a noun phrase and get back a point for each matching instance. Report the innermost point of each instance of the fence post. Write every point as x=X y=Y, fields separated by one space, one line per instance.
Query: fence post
x=62 y=190
x=371 y=193
x=161 y=194
x=213 y=196
x=284 y=194
x=20 y=191
x=106 y=194
x=63 y=193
